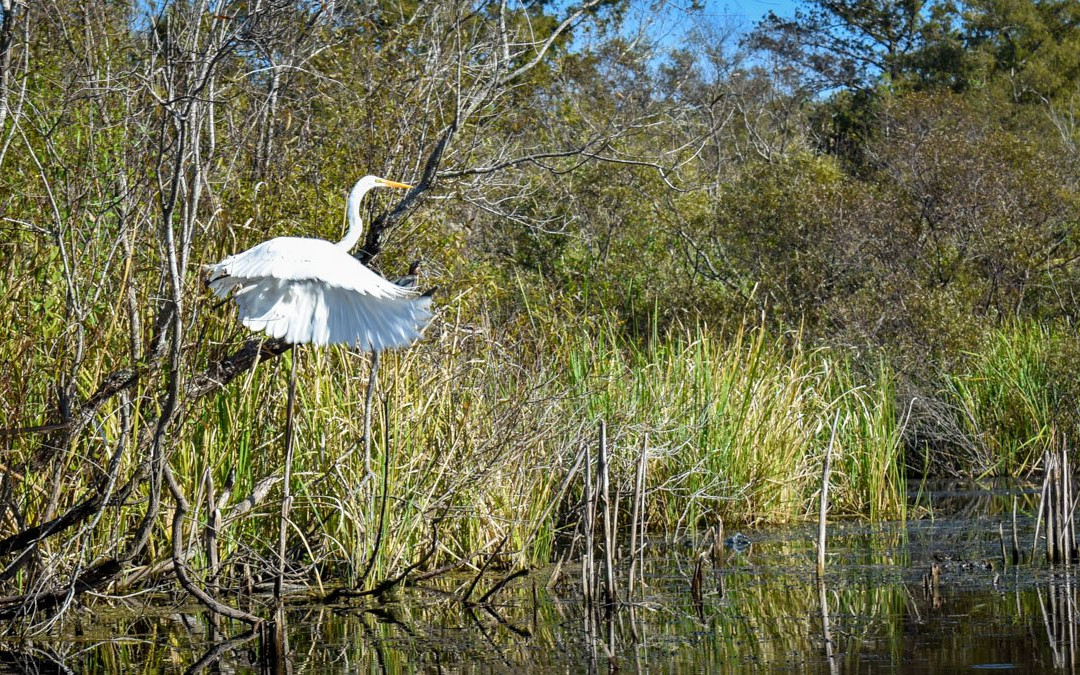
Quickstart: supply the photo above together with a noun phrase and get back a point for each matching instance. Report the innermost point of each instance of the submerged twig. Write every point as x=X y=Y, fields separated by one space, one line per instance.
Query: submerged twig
x=386 y=585
x=211 y=655
x=826 y=633
x=501 y=584
x=483 y=568
x=1001 y=540
x=1015 y=536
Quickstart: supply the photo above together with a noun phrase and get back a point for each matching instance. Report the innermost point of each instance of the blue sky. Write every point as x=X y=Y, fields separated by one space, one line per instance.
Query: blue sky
x=670 y=21
x=751 y=10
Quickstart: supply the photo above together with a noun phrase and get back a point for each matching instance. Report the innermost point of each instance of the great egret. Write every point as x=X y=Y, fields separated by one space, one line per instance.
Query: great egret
x=312 y=291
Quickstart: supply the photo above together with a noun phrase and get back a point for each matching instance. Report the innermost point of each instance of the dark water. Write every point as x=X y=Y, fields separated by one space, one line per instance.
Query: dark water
x=761 y=610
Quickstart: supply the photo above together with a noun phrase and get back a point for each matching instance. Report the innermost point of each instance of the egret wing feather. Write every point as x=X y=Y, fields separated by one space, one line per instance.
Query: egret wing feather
x=300 y=259
x=373 y=323
x=312 y=311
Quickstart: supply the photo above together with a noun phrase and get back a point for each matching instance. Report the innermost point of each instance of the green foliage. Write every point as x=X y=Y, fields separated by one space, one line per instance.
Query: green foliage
x=1028 y=51
x=1024 y=51
x=848 y=43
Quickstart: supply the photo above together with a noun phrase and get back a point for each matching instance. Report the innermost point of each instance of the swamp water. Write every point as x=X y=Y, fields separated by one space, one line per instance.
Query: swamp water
x=760 y=610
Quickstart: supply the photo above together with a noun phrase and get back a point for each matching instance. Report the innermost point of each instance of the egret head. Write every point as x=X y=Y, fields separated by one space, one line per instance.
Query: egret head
x=369 y=182
x=352 y=206
x=363 y=186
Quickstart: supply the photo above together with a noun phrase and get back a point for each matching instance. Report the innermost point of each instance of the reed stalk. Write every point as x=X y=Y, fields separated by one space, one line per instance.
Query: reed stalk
x=588 y=511
x=637 y=518
x=286 y=484
x=823 y=507
x=603 y=469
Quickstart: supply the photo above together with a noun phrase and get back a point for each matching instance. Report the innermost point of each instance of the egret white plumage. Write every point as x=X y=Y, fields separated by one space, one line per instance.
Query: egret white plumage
x=309 y=290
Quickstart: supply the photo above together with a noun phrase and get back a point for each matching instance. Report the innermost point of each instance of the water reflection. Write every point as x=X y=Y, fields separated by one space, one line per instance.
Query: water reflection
x=926 y=596
x=1059 y=616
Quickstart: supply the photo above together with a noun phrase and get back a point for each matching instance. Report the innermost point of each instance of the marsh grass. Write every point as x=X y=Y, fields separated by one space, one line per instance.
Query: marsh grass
x=487 y=415
x=738 y=426
x=1010 y=395
x=479 y=444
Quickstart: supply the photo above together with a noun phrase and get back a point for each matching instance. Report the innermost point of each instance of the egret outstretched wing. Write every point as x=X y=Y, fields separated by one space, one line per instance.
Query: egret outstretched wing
x=311 y=291
x=312 y=311
x=302 y=259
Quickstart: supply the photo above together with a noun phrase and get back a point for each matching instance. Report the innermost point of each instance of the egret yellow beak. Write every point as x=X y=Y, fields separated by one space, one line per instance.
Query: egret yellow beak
x=394 y=184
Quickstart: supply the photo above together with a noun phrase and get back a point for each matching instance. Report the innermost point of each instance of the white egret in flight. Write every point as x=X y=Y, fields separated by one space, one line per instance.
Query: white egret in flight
x=312 y=291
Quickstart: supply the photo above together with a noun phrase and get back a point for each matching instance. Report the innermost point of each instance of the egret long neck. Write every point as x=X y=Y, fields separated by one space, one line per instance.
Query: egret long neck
x=352 y=209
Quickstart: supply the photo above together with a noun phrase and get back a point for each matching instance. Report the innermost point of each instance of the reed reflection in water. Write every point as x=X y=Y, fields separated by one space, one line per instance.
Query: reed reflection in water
x=926 y=596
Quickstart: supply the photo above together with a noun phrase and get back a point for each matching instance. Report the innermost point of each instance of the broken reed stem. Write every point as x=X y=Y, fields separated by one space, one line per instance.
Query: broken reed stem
x=1015 y=537
x=275 y=643
x=824 y=506
x=1063 y=545
x=1057 y=504
x=1070 y=506
x=587 y=534
x=286 y=486
x=638 y=515
x=1065 y=519
x=1059 y=510
x=718 y=542
x=697 y=583
x=603 y=468
x=616 y=554
x=1068 y=531
x=1051 y=511
x=213 y=516
x=1001 y=540
x=1042 y=508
